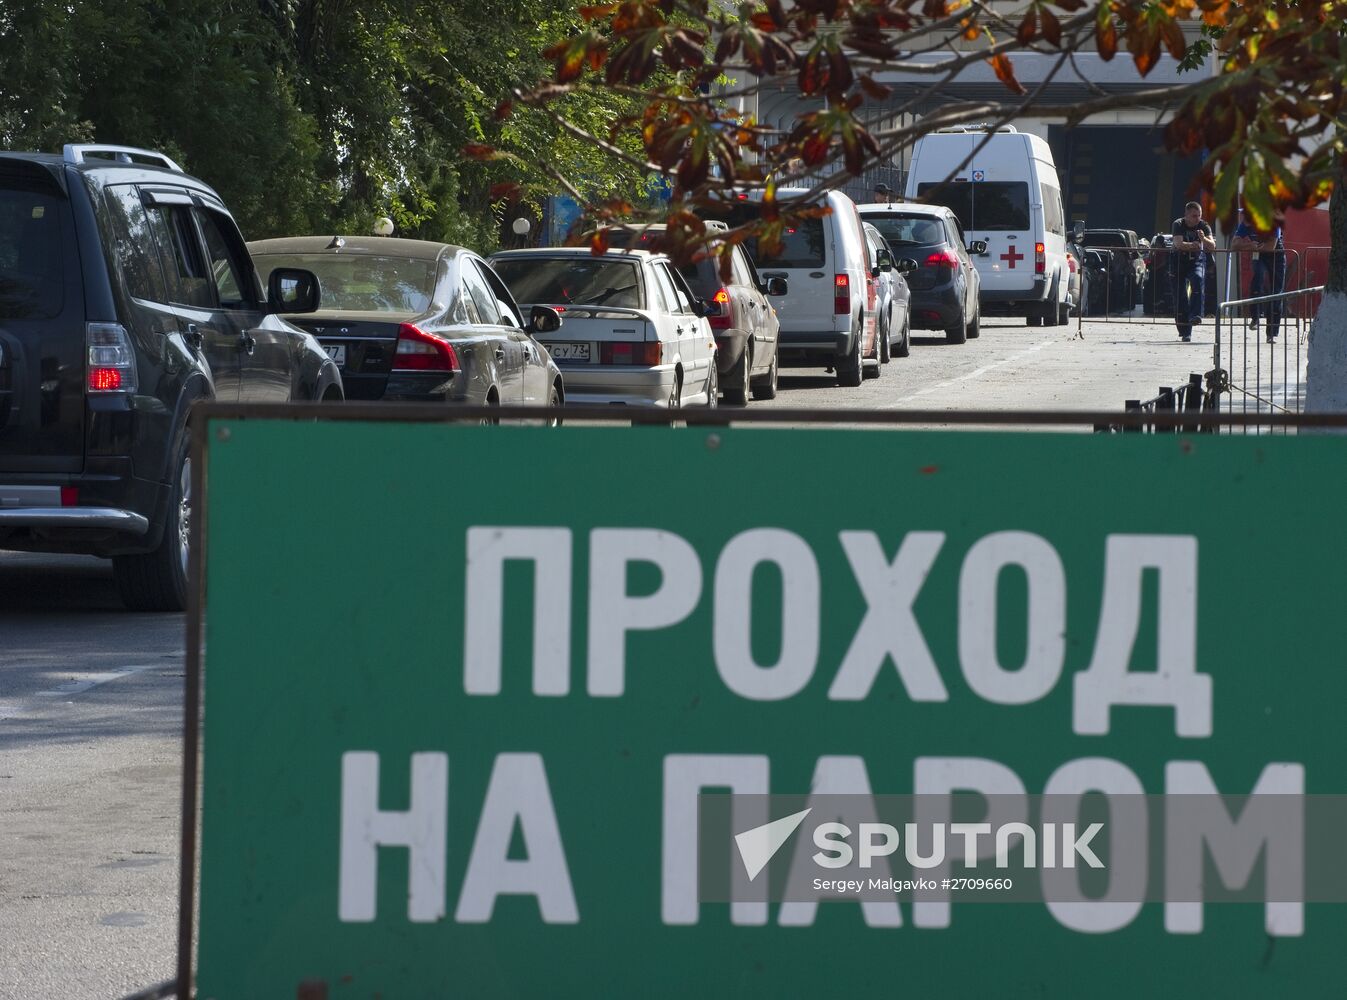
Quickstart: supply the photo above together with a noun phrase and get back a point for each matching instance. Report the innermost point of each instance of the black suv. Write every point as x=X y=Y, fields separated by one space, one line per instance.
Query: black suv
x=126 y=293
x=1126 y=276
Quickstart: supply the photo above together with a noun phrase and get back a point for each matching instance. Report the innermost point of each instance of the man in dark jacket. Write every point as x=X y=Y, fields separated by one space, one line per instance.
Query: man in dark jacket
x=1192 y=242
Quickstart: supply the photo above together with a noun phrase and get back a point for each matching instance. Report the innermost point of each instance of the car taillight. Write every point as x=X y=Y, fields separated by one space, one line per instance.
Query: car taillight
x=841 y=295
x=1040 y=259
x=648 y=353
x=112 y=361
x=942 y=258
x=419 y=351
x=70 y=496
x=721 y=318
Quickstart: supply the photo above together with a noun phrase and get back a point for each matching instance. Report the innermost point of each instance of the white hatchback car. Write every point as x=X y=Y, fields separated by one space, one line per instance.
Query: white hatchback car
x=632 y=332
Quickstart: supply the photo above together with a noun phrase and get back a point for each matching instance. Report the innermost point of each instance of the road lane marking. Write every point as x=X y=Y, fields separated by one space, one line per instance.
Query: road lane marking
x=978 y=373
x=87 y=682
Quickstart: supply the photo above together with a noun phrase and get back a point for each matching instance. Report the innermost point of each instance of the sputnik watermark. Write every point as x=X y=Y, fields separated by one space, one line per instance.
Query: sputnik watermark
x=1086 y=847
x=758 y=845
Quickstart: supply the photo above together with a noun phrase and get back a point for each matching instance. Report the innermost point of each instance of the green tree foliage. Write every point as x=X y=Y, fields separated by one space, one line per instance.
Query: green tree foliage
x=310 y=116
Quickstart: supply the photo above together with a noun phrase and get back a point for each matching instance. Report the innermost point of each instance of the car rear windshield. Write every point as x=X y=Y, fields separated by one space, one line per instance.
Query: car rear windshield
x=802 y=244
x=562 y=281
x=983 y=205
x=1107 y=238
x=703 y=278
x=904 y=230
x=31 y=285
x=360 y=282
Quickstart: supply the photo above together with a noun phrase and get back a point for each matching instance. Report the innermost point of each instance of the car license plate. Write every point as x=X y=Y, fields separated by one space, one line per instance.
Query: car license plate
x=569 y=352
x=337 y=352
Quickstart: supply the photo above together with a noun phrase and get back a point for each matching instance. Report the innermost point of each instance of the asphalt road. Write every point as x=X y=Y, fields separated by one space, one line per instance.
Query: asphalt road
x=1097 y=366
x=90 y=779
x=91 y=696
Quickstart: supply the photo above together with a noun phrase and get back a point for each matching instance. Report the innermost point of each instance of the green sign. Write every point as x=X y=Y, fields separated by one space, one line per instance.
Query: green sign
x=465 y=688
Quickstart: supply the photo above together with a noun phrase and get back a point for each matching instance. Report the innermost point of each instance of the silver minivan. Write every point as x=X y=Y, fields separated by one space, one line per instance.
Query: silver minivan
x=828 y=315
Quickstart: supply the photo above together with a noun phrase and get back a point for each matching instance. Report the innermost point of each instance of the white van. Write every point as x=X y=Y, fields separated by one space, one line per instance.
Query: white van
x=1005 y=193
x=828 y=312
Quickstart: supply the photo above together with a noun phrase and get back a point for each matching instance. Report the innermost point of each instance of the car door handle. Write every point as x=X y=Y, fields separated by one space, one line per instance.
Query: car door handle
x=193 y=337
x=500 y=354
x=246 y=343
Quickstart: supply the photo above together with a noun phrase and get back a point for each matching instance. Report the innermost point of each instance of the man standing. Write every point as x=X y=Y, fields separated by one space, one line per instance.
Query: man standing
x=1269 y=268
x=883 y=194
x=1192 y=242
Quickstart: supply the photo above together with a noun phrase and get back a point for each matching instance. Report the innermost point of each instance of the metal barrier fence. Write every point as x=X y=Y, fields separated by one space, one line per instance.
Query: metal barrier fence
x=1112 y=281
x=1121 y=284
x=1197 y=399
x=1267 y=371
x=1261 y=341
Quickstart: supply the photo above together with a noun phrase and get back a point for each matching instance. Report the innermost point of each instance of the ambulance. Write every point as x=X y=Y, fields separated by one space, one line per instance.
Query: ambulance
x=1003 y=187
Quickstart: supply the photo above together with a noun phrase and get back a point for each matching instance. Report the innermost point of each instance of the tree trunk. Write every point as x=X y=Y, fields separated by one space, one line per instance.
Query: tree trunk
x=1326 y=377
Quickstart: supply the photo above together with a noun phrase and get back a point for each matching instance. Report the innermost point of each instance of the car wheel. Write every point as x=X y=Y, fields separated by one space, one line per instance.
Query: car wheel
x=957 y=333
x=975 y=328
x=884 y=347
x=554 y=403
x=157 y=580
x=849 y=368
x=766 y=387
x=738 y=395
x=713 y=386
x=493 y=401
x=905 y=344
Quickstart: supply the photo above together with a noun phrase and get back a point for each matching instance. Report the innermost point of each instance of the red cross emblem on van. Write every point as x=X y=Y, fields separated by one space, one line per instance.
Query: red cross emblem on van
x=1012 y=255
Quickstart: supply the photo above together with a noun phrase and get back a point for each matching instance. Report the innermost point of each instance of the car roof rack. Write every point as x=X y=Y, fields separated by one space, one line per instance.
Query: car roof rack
x=978 y=127
x=81 y=152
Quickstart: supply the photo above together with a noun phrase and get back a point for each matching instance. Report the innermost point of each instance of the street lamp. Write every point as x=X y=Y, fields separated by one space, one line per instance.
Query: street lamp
x=383 y=226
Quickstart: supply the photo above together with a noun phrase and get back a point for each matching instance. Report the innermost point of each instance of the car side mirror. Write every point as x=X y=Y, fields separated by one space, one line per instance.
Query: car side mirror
x=907 y=265
x=702 y=308
x=544 y=319
x=777 y=286
x=977 y=248
x=883 y=262
x=1078 y=232
x=292 y=290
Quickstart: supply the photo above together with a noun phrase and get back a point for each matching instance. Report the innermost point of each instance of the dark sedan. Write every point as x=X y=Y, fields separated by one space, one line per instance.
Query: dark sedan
x=410 y=320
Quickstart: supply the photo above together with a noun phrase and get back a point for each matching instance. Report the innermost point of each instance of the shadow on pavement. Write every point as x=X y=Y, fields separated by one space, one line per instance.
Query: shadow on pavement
x=143 y=706
x=789 y=382
x=47 y=583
